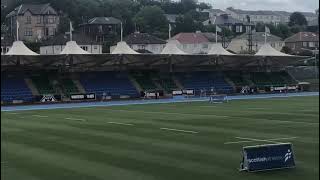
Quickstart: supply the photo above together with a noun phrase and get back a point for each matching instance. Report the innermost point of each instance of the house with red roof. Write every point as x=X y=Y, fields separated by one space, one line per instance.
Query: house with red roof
x=302 y=40
x=196 y=43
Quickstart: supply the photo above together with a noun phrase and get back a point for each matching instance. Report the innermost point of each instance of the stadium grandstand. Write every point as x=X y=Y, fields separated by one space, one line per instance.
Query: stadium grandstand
x=28 y=77
x=165 y=116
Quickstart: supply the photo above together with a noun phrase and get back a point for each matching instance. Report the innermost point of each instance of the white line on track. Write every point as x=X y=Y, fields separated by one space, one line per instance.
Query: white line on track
x=126 y=124
x=75 y=119
x=275 y=140
x=179 y=130
x=40 y=116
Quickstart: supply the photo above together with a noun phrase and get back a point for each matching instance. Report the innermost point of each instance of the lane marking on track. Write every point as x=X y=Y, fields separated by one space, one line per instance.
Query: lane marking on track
x=75 y=119
x=275 y=140
x=179 y=130
x=118 y=123
x=40 y=116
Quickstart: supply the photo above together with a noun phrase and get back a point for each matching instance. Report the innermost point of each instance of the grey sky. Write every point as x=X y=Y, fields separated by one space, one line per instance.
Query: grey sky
x=286 y=5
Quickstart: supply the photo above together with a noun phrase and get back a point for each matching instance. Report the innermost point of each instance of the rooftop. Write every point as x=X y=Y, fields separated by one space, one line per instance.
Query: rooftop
x=36 y=9
x=303 y=36
x=190 y=38
x=103 y=20
x=143 y=38
x=268 y=12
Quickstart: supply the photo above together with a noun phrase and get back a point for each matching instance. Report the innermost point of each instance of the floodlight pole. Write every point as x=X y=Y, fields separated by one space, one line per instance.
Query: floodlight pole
x=17 y=29
x=121 y=32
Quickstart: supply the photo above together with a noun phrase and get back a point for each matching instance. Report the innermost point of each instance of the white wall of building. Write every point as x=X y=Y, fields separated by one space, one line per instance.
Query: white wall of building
x=154 y=48
x=56 y=49
x=238 y=45
x=199 y=48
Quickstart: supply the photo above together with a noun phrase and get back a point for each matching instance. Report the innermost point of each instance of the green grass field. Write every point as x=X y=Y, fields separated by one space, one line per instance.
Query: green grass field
x=131 y=142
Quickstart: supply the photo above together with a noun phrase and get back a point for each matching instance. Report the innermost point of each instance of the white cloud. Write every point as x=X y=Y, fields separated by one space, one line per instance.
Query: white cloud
x=285 y=5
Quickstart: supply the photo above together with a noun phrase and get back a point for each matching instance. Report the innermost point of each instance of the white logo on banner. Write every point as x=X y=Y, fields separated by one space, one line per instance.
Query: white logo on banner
x=287 y=156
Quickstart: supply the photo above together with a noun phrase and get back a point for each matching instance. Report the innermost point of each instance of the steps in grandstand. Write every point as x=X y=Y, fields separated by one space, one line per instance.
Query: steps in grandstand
x=42 y=83
x=177 y=82
x=144 y=80
x=229 y=81
x=31 y=86
x=135 y=83
x=79 y=86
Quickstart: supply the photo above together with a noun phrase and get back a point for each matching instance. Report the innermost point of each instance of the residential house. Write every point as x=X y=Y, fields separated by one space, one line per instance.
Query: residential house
x=101 y=29
x=227 y=21
x=196 y=43
x=36 y=22
x=56 y=44
x=302 y=40
x=240 y=43
x=274 y=17
x=144 y=43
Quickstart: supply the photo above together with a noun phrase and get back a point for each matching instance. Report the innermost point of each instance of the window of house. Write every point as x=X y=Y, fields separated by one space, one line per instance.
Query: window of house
x=51 y=32
x=38 y=19
x=84 y=48
x=204 y=46
x=28 y=32
x=95 y=47
x=311 y=44
x=50 y=20
x=28 y=21
x=305 y=44
x=238 y=29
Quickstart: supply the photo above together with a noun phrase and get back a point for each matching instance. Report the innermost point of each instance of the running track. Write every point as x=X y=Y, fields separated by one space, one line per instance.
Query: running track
x=130 y=102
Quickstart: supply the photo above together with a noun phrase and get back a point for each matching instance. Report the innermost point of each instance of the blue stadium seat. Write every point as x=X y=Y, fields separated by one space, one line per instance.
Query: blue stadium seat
x=112 y=83
x=205 y=81
x=13 y=87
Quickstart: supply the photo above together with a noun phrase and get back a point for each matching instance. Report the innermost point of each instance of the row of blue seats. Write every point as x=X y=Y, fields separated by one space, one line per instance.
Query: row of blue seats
x=14 y=87
x=110 y=83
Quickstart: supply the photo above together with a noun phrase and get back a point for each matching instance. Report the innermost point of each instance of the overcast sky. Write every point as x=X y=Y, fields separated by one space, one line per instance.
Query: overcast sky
x=286 y=5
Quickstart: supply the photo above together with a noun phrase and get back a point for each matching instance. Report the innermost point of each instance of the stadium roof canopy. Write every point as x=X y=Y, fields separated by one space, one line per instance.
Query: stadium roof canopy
x=20 y=49
x=123 y=48
x=217 y=49
x=267 y=50
x=172 y=48
x=73 y=48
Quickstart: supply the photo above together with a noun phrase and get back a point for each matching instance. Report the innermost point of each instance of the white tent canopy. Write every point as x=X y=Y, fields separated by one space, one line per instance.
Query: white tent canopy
x=19 y=48
x=123 y=48
x=172 y=48
x=267 y=50
x=73 y=48
x=217 y=49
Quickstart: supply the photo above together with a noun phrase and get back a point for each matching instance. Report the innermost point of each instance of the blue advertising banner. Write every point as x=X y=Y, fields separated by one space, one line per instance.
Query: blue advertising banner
x=268 y=157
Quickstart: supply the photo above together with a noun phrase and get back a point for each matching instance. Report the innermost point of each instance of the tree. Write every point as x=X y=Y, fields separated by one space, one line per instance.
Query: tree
x=146 y=21
x=203 y=6
x=188 y=5
x=297 y=18
x=286 y=49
